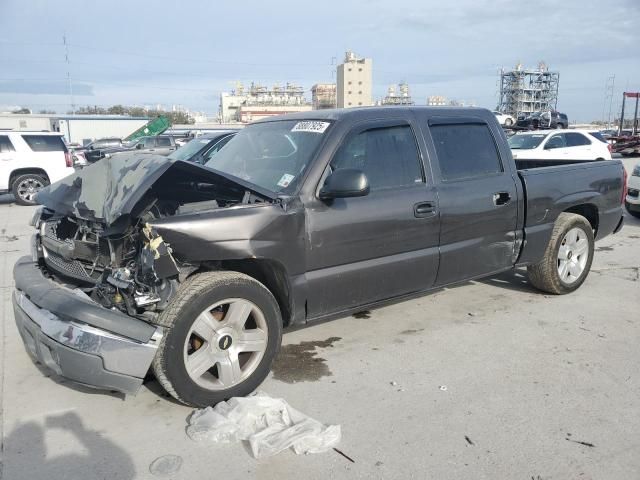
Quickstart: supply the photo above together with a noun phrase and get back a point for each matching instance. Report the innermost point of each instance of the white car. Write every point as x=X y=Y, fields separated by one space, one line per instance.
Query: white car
x=559 y=145
x=30 y=161
x=504 y=119
x=632 y=200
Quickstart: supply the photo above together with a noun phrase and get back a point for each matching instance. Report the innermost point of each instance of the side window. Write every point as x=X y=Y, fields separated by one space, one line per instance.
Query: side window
x=388 y=156
x=163 y=141
x=149 y=142
x=6 y=145
x=575 y=139
x=556 y=141
x=465 y=151
x=216 y=148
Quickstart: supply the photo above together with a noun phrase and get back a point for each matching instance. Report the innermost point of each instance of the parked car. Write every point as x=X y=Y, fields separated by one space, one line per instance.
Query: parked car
x=632 y=200
x=504 y=119
x=548 y=119
x=572 y=144
x=108 y=142
x=193 y=271
x=30 y=161
x=201 y=150
x=159 y=145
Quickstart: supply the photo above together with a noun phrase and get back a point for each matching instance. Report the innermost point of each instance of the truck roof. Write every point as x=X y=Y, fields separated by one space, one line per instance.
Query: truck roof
x=373 y=112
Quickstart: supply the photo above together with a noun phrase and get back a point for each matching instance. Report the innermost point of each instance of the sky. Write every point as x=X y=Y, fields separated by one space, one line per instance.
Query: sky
x=187 y=52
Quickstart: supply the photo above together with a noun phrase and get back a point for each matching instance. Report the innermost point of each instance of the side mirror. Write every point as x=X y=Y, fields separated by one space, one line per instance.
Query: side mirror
x=343 y=183
x=138 y=146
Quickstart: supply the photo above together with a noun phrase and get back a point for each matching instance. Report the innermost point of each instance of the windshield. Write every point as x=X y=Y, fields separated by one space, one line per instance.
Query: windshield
x=190 y=149
x=525 y=142
x=271 y=155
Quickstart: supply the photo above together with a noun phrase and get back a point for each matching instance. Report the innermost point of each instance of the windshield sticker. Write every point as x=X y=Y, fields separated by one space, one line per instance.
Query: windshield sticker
x=285 y=180
x=310 y=126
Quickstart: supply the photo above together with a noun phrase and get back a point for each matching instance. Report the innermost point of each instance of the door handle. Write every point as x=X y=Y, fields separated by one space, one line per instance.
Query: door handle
x=501 y=198
x=424 y=209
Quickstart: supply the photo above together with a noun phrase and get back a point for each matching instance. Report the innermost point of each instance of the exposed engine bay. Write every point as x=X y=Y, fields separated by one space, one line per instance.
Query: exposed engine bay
x=125 y=264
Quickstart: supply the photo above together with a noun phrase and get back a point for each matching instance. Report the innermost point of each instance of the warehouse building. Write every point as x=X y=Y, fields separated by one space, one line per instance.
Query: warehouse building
x=84 y=128
x=75 y=128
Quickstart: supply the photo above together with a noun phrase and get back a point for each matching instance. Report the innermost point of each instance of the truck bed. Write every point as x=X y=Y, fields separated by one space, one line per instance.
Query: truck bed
x=596 y=185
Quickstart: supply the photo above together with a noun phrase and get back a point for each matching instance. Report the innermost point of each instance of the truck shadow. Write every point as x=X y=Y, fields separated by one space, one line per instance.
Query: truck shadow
x=94 y=456
x=515 y=280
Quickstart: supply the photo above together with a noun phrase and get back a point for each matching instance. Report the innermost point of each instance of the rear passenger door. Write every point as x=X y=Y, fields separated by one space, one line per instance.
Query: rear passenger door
x=579 y=147
x=382 y=245
x=478 y=200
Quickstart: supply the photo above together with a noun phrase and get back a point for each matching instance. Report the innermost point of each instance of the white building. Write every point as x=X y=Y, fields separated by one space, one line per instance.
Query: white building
x=75 y=128
x=354 y=82
x=84 y=128
x=259 y=101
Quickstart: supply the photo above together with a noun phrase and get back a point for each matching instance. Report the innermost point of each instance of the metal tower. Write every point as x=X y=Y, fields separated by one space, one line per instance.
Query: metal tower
x=524 y=91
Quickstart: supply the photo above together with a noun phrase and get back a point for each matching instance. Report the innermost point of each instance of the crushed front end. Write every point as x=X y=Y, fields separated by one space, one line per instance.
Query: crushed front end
x=89 y=299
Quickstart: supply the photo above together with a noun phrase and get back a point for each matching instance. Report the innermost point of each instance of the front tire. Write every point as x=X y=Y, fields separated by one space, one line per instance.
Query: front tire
x=567 y=258
x=25 y=187
x=223 y=331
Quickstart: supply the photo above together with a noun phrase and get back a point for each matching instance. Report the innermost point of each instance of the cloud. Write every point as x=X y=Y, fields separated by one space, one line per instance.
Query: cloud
x=35 y=87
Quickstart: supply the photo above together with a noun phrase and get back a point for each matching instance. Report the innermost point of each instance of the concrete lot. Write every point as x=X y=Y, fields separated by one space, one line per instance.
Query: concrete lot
x=528 y=378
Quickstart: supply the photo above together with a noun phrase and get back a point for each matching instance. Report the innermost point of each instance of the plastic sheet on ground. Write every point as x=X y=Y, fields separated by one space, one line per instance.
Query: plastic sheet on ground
x=270 y=425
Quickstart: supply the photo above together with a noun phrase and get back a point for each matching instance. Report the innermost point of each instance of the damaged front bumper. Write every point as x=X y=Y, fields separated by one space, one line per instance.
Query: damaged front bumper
x=79 y=339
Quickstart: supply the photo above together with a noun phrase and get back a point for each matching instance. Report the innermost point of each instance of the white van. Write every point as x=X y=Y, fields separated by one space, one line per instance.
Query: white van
x=30 y=161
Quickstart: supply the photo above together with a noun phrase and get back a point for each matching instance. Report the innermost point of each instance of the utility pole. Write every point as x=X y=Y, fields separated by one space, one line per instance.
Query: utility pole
x=609 y=90
x=66 y=59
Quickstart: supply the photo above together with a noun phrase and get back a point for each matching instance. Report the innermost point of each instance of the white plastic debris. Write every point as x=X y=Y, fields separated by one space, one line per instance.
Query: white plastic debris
x=270 y=425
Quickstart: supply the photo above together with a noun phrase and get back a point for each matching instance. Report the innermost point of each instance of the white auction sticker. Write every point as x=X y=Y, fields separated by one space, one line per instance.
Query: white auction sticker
x=285 y=180
x=310 y=126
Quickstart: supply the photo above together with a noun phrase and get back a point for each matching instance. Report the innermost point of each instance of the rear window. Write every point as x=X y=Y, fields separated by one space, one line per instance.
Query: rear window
x=598 y=136
x=45 y=143
x=465 y=151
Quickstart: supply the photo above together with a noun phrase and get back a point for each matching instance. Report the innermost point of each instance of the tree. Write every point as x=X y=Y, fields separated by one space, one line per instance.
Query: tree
x=22 y=111
x=118 y=110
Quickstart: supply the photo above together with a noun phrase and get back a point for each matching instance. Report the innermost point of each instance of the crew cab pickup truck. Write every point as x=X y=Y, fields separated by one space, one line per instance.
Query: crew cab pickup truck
x=193 y=271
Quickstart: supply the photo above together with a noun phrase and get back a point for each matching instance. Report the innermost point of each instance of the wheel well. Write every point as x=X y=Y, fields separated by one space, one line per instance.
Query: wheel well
x=588 y=211
x=272 y=275
x=24 y=171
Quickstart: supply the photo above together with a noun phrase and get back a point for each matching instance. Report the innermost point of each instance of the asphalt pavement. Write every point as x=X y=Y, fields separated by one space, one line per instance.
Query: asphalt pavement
x=488 y=380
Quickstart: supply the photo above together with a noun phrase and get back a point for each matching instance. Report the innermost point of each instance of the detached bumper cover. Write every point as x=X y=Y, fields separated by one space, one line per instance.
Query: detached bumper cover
x=75 y=348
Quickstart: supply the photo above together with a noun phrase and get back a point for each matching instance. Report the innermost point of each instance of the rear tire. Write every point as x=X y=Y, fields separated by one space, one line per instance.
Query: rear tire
x=25 y=187
x=567 y=258
x=223 y=331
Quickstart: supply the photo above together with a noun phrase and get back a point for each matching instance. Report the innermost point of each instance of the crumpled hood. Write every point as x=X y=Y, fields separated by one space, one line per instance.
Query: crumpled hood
x=111 y=188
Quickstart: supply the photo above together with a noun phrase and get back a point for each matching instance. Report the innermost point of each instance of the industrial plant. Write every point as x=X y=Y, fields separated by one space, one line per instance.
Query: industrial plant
x=524 y=90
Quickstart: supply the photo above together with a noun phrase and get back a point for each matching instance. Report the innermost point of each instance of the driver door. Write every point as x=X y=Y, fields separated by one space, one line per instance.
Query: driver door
x=365 y=249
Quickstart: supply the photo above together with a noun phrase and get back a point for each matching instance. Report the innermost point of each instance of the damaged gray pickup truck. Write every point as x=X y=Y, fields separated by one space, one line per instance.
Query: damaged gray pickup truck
x=141 y=263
